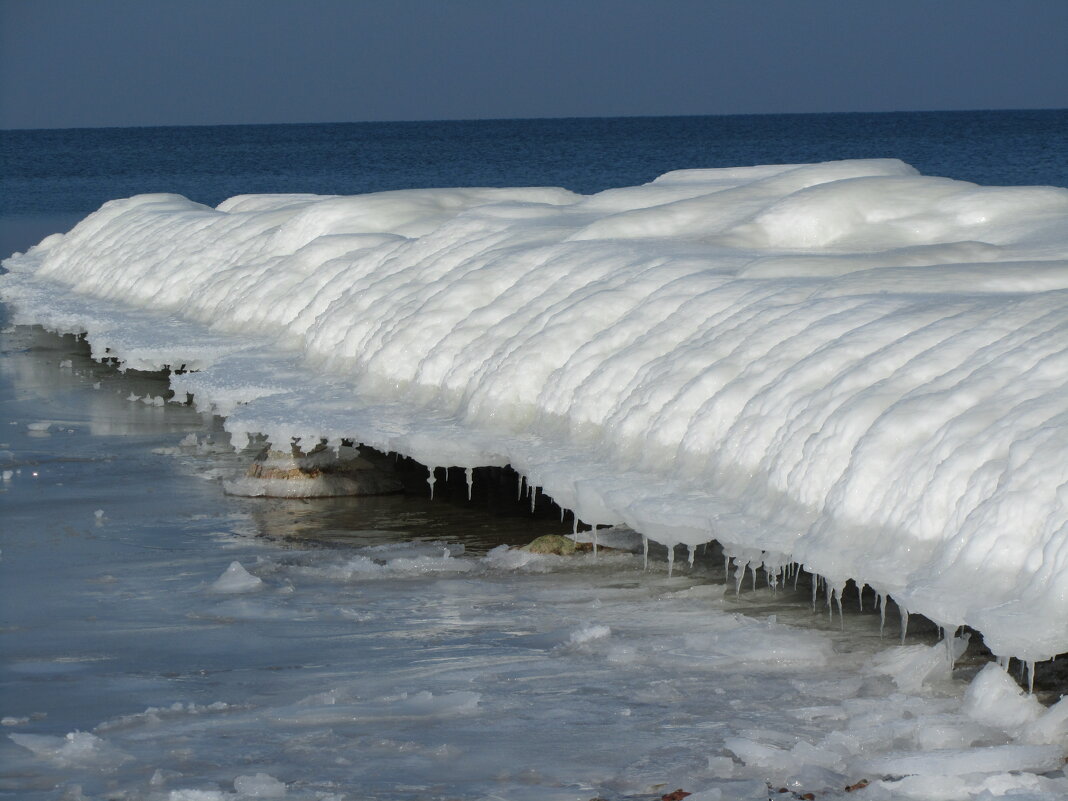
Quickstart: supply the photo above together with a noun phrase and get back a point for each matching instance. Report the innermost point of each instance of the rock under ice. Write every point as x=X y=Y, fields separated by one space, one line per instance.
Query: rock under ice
x=845 y=365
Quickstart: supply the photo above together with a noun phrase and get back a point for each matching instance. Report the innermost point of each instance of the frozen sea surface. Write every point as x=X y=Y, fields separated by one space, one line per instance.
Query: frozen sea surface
x=163 y=641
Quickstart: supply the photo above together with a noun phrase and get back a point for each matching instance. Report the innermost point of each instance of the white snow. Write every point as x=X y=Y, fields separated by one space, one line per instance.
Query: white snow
x=845 y=365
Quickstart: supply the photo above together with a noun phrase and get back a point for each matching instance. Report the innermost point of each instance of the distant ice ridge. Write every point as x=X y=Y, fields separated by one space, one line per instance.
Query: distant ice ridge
x=847 y=365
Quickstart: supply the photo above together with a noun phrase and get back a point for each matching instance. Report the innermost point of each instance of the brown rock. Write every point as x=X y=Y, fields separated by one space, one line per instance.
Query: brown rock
x=552 y=544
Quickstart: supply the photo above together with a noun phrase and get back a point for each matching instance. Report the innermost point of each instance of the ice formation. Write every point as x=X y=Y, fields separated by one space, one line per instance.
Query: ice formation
x=846 y=365
x=236 y=579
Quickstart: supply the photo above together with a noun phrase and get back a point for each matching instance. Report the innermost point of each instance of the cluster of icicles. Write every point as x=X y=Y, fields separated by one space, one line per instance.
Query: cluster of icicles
x=778 y=572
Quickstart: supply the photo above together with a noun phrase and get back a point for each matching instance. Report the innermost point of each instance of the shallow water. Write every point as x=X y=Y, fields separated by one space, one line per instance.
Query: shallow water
x=390 y=649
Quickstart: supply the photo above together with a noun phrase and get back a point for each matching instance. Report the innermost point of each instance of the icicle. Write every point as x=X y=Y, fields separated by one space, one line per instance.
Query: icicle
x=881 y=600
x=533 y=498
x=561 y=514
x=470 y=473
x=904 y=622
x=594 y=529
x=739 y=575
x=431 y=479
x=828 y=595
x=949 y=638
x=797 y=572
x=645 y=552
x=519 y=491
x=671 y=559
x=692 y=551
x=726 y=568
x=860 y=595
x=838 y=600
x=755 y=569
x=815 y=585
x=574 y=525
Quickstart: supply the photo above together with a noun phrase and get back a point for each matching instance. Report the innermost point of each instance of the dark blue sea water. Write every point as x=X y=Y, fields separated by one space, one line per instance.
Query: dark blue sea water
x=49 y=179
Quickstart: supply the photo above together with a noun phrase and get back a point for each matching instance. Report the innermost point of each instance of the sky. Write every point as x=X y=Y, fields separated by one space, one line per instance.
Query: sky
x=88 y=63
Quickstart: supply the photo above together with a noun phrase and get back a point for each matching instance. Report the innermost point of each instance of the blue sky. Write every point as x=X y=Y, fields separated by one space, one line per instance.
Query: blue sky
x=72 y=63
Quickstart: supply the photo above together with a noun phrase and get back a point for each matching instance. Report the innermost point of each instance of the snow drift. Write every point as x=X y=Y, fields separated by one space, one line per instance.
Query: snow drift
x=846 y=365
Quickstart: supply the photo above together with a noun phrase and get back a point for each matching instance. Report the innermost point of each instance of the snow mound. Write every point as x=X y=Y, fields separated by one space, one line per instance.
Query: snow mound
x=846 y=365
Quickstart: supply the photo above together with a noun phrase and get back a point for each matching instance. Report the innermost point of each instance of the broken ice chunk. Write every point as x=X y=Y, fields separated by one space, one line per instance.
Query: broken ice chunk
x=236 y=579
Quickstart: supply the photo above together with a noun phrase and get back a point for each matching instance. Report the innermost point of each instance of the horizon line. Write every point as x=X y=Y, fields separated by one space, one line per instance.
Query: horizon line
x=527 y=119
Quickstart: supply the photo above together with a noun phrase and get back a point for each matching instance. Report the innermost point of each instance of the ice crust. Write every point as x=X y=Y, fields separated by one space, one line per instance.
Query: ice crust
x=846 y=365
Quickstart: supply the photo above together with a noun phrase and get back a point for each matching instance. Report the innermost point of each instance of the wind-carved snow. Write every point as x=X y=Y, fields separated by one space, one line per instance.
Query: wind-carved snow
x=845 y=365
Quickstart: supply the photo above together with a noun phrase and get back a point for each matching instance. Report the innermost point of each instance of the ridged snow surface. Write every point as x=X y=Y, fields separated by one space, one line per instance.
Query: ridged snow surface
x=847 y=365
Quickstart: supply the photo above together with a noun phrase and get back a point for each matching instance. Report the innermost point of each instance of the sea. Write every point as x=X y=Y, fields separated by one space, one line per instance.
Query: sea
x=163 y=640
x=51 y=178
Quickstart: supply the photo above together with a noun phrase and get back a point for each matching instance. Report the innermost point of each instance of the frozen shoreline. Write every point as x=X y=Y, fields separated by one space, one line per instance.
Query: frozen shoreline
x=862 y=362
x=412 y=670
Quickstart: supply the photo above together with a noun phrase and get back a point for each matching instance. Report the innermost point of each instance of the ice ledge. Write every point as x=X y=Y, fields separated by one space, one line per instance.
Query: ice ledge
x=250 y=386
x=846 y=365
